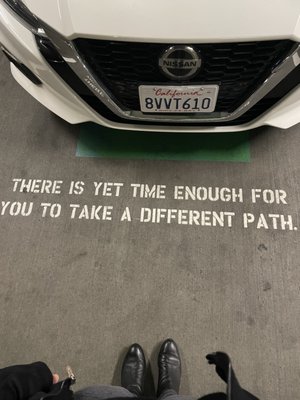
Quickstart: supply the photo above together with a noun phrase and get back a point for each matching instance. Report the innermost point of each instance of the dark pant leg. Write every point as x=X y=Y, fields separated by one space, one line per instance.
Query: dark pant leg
x=172 y=395
x=102 y=392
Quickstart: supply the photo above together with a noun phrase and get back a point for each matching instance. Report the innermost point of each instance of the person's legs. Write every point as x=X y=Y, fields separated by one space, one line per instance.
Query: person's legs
x=169 y=370
x=132 y=380
x=102 y=392
x=134 y=370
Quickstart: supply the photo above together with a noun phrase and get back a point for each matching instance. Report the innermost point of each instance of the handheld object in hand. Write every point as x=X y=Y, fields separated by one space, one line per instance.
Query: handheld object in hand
x=59 y=391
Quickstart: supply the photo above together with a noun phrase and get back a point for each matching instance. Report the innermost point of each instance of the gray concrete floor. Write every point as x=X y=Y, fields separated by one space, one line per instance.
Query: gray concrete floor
x=78 y=292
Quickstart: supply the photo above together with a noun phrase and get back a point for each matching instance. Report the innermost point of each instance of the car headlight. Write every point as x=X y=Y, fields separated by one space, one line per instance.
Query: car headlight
x=25 y=16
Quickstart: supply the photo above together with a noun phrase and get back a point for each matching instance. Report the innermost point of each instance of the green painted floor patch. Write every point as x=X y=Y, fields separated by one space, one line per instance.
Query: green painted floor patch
x=98 y=141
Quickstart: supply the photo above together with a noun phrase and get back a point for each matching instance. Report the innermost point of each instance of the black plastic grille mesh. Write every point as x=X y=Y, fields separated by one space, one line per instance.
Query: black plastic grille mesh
x=239 y=68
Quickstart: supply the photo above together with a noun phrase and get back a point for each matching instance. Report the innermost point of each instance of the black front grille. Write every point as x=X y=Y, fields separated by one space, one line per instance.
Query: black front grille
x=239 y=68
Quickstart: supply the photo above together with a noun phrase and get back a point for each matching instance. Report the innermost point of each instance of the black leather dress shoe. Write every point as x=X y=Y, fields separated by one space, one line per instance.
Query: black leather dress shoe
x=134 y=370
x=169 y=367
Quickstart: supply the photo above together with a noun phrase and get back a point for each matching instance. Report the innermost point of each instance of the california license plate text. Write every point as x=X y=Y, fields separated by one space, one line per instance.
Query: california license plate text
x=178 y=99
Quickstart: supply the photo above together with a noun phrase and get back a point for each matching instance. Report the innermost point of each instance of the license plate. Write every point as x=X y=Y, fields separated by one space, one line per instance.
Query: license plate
x=178 y=99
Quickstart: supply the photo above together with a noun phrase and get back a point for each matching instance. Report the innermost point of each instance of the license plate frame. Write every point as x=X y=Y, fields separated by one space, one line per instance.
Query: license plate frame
x=178 y=99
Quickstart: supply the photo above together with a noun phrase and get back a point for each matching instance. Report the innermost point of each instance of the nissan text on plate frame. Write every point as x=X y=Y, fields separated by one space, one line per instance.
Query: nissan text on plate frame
x=209 y=67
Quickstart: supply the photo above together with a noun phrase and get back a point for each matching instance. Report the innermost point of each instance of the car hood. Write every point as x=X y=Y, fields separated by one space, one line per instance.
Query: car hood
x=172 y=20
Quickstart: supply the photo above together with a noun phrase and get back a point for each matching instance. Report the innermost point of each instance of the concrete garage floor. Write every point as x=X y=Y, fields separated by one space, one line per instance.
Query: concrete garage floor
x=77 y=291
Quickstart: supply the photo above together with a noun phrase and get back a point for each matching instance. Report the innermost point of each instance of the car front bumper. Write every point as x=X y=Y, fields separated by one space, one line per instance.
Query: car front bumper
x=57 y=96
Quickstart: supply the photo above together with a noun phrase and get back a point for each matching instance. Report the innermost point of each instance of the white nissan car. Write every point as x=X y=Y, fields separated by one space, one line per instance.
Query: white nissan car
x=158 y=65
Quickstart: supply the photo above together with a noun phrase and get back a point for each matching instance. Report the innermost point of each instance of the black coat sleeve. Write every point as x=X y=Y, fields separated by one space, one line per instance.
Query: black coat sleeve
x=225 y=371
x=20 y=382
